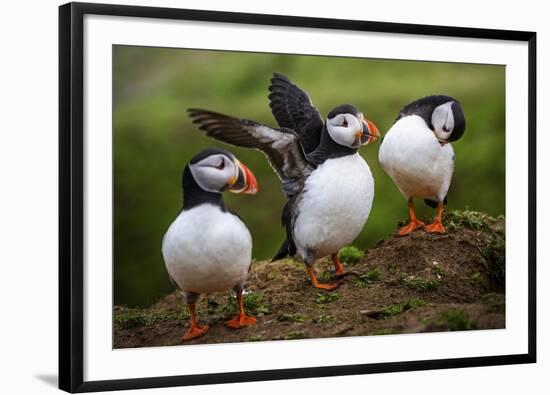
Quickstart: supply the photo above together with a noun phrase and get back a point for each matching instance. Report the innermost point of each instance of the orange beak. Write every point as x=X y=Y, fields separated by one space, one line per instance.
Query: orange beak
x=244 y=182
x=370 y=132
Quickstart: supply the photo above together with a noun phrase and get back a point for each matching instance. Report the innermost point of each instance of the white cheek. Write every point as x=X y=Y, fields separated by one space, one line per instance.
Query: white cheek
x=443 y=117
x=340 y=135
x=211 y=179
x=345 y=135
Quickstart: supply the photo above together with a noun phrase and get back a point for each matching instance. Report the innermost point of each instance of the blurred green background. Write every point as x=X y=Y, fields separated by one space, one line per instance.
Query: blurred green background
x=153 y=140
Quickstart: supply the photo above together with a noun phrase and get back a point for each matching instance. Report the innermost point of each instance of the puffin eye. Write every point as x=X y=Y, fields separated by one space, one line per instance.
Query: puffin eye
x=221 y=165
x=345 y=123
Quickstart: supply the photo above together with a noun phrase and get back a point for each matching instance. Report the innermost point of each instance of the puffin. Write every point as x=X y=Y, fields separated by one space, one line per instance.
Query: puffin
x=418 y=156
x=208 y=248
x=328 y=186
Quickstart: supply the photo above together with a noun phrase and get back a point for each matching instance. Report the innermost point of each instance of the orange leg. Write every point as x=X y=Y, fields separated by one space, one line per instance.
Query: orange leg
x=414 y=224
x=437 y=225
x=242 y=319
x=316 y=283
x=340 y=271
x=196 y=330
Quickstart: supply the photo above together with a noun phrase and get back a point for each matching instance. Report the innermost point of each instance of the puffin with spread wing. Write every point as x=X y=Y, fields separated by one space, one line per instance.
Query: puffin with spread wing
x=328 y=185
x=417 y=154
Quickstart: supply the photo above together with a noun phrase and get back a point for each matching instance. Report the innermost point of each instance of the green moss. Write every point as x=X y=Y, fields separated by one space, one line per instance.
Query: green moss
x=323 y=318
x=251 y=300
x=392 y=310
x=325 y=277
x=368 y=278
x=228 y=309
x=138 y=318
x=413 y=303
x=255 y=338
x=350 y=255
x=291 y=317
x=456 y=320
x=253 y=303
x=395 y=309
x=392 y=268
x=469 y=218
x=419 y=284
x=477 y=279
x=325 y=298
x=438 y=271
x=133 y=321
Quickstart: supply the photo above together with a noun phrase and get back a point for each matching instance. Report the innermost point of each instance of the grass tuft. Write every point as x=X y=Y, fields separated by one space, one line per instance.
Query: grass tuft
x=322 y=318
x=252 y=301
x=136 y=319
x=291 y=317
x=469 y=218
x=326 y=298
x=368 y=278
x=457 y=320
x=419 y=284
x=350 y=255
x=395 y=309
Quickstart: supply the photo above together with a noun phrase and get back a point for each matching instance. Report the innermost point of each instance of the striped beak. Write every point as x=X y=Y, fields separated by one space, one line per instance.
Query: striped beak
x=244 y=181
x=370 y=132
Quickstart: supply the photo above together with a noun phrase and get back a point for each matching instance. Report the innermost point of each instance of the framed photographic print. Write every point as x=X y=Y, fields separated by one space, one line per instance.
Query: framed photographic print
x=237 y=188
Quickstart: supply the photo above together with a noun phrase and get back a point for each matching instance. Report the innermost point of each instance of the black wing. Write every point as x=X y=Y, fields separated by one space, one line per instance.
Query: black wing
x=281 y=146
x=293 y=109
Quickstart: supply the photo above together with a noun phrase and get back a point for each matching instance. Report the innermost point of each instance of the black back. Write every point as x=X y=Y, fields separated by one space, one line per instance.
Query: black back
x=328 y=149
x=425 y=107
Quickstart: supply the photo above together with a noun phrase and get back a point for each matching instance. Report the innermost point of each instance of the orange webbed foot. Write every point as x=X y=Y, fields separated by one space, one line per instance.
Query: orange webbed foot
x=338 y=267
x=194 y=332
x=317 y=284
x=327 y=287
x=412 y=226
x=436 y=227
x=241 y=321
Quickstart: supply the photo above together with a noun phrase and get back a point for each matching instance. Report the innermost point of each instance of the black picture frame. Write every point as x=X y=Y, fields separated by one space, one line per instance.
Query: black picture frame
x=71 y=198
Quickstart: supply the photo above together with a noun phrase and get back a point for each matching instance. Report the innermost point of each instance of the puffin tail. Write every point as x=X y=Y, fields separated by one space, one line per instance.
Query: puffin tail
x=433 y=203
x=288 y=248
x=283 y=251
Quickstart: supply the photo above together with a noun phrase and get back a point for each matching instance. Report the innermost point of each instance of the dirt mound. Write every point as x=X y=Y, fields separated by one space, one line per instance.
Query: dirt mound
x=418 y=283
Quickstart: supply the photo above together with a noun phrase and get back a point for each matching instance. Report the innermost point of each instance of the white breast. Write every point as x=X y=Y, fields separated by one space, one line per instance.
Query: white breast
x=416 y=161
x=206 y=250
x=334 y=207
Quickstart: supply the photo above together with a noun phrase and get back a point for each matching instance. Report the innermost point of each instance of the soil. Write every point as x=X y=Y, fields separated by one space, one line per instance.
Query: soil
x=418 y=283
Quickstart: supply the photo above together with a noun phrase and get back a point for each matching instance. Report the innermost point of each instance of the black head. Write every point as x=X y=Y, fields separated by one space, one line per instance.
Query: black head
x=443 y=115
x=348 y=127
x=343 y=109
x=212 y=172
